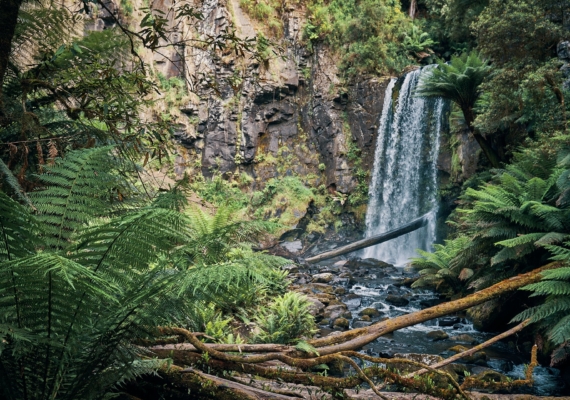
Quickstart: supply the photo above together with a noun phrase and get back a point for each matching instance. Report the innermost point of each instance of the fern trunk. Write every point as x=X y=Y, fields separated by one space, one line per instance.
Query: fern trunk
x=490 y=154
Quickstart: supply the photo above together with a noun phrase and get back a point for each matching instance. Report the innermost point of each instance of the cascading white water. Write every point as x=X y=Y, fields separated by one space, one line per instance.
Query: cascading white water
x=404 y=179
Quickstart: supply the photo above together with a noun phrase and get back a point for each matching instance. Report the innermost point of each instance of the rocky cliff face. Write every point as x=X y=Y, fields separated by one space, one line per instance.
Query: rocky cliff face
x=268 y=118
x=282 y=115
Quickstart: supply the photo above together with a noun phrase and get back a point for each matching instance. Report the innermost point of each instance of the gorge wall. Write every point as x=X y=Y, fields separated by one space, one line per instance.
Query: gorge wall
x=288 y=114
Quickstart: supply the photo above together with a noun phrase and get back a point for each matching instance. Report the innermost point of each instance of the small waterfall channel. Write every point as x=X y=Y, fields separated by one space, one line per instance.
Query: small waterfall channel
x=404 y=178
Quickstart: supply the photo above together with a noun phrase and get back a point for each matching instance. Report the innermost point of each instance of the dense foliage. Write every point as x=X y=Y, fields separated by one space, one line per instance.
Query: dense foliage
x=517 y=216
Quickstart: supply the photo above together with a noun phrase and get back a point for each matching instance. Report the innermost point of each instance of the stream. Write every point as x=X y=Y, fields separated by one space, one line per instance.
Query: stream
x=380 y=287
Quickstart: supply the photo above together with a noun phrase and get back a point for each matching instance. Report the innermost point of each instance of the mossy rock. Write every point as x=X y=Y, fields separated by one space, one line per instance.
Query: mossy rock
x=370 y=312
x=341 y=323
x=437 y=335
x=491 y=376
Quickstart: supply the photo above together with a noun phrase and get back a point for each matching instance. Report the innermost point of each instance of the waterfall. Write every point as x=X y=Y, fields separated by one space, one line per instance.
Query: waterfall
x=404 y=178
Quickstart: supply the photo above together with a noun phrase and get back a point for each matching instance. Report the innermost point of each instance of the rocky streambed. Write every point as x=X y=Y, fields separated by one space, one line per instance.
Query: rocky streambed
x=352 y=293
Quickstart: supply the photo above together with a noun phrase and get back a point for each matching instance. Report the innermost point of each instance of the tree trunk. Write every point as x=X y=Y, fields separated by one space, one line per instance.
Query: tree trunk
x=8 y=20
x=490 y=154
x=361 y=244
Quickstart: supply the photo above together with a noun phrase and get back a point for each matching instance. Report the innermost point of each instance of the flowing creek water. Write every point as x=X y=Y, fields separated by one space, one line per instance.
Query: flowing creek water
x=404 y=187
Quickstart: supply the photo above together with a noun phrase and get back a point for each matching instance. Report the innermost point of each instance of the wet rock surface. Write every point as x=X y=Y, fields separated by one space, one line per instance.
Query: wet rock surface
x=375 y=292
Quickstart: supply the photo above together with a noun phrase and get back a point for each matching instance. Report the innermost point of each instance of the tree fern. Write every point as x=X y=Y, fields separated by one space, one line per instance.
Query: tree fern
x=435 y=268
x=78 y=189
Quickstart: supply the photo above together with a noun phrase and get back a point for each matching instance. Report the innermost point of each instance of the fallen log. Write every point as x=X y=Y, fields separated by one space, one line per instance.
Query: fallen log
x=371 y=241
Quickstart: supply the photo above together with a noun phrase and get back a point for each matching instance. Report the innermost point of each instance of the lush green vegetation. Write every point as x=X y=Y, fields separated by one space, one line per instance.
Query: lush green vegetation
x=371 y=36
x=511 y=93
x=94 y=258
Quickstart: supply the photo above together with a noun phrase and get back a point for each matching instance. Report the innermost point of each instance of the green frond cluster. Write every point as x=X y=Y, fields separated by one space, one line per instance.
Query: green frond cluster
x=555 y=287
x=457 y=81
x=286 y=319
x=515 y=218
x=436 y=268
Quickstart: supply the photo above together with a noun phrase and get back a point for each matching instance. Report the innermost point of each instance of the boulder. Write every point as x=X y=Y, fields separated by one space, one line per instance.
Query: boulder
x=291 y=268
x=365 y=318
x=430 y=302
x=325 y=277
x=316 y=307
x=341 y=323
x=458 y=349
x=352 y=300
x=464 y=338
x=321 y=287
x=370 y=312
x=437 y=335
x=334 y=311
x=361 y=324
x=398 y=301
x=340 y=291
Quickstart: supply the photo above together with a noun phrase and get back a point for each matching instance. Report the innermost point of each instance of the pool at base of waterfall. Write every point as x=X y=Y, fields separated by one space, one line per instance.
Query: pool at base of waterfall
x=373 y=291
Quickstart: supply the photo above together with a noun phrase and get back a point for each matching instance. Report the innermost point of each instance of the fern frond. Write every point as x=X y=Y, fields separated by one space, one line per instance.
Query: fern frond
x=543 y=288
x=306 y=348
x=77 y=190
x=560 y=332
x=13 y=183
x=18 y=230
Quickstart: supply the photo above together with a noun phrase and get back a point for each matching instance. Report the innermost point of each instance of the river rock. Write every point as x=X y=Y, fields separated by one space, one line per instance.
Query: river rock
x=340 y=291
x=333 y=312
x=322 y=287
x=291 y=268
x=340 y=263
x=458 y=349
x=352 y=300
x=326 y=277
x=492 y=315
x=341 y=323
x=398 y=301
x=365 y=318
x=371 y=312
x=316 y=307
x=448 y=321
x=464 y=338
x=437 y=335
x=479 y=357
x=361 y=324
x=348 y=276
x=430 y=302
